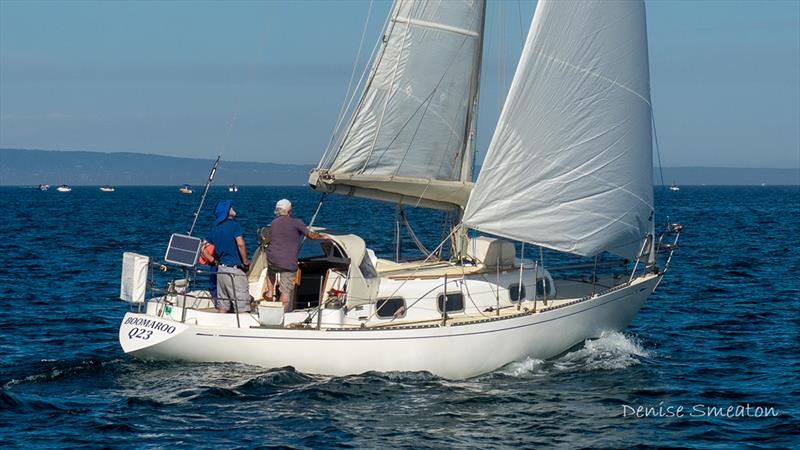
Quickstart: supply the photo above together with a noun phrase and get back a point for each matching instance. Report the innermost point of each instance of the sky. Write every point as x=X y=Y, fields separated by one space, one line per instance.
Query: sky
x=265 y=80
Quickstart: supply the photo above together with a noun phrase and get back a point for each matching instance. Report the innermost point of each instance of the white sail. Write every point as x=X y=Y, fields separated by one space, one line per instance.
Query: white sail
x=570 y=164
x=408 y=135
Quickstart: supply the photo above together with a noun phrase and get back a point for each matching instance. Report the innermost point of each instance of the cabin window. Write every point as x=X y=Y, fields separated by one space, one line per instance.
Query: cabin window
x=311 y=250
x=455 y=302
x=388 y=308
x=516 y=292
x=366 y=267
x=331 y=250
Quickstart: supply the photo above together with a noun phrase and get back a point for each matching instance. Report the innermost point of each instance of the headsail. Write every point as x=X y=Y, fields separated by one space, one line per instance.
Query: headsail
x=570 y=164
x=409 y=133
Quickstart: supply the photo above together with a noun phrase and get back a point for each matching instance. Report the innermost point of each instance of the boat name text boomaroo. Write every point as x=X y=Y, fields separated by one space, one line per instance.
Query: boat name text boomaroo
x=144 y=333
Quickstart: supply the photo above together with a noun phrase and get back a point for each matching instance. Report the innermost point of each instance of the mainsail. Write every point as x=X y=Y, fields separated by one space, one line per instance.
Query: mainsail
x=410 y=137
x=570 y=166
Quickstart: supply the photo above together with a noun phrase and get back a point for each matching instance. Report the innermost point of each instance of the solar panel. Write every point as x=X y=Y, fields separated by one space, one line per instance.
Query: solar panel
x=183 y=250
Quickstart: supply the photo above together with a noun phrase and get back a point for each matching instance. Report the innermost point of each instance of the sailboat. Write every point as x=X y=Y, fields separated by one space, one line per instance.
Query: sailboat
x=568 y=169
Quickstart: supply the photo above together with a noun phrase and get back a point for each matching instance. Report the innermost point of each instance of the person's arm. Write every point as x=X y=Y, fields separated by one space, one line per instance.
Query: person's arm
x=311 y=234
x=242 y=250
x=209 y=256
x=317 y=236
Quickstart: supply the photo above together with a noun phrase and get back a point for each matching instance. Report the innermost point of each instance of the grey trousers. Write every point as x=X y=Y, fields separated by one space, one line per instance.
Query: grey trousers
x=232 y=287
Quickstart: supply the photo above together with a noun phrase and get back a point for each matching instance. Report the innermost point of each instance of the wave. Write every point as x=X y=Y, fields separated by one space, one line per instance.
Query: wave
x=611 y=351
x=10 y=401
x=275 y=379
x=55 y=370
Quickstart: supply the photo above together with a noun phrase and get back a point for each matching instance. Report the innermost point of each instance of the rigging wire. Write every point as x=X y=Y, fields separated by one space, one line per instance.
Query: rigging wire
x=348 y=96
x=375 y=56
x=392 y=81
x=205 y=192
x=412 y=275
x=658 y=151
x=319 y=206
x=501 y=77
x=426 y=103
x=213 y=172
x=413 y=235
x=521 y=30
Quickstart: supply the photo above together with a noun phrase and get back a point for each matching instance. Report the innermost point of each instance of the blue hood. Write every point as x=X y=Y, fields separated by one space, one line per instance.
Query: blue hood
x=221 y=211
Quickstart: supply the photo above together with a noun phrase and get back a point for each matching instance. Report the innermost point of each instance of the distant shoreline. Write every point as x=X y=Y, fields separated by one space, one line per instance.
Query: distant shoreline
x=21 y=167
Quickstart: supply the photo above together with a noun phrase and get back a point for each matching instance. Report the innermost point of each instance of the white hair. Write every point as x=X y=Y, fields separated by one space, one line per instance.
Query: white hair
x=283 y=207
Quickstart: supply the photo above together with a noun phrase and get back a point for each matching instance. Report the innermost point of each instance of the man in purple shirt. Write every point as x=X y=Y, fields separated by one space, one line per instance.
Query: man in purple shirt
x=287 y=234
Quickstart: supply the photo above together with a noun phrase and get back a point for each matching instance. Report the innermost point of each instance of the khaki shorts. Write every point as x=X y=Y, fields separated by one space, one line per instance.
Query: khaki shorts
x=285 y=280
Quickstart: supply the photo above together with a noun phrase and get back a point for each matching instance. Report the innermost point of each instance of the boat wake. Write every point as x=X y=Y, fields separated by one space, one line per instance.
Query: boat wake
x=611 y=351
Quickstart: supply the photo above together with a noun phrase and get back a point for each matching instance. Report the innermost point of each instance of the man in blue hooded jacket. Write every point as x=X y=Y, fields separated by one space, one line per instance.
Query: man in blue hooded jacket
x=231 y=258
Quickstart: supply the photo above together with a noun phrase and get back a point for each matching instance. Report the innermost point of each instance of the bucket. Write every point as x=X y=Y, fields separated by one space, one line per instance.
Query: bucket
x=270 y=313
x=178 y=286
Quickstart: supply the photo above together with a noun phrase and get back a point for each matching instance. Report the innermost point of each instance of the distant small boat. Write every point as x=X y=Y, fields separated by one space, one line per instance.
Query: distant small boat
x=233 y=188
x=64 y=188
x=107 y=188
x=43 y=187
x=674 y=187
x=186 y=189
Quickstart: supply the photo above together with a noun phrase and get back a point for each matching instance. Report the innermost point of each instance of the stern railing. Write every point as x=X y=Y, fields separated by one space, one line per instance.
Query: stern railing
x=188 y=286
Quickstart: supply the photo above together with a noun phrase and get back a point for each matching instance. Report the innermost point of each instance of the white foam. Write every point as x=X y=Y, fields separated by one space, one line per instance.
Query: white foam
x=526 y=368
x=611 y=351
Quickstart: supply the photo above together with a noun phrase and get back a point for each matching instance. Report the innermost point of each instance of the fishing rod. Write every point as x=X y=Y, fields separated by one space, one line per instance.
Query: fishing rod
x=205 y=191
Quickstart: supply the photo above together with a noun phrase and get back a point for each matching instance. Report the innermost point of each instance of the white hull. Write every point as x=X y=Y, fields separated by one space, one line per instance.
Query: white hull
x=454 y=351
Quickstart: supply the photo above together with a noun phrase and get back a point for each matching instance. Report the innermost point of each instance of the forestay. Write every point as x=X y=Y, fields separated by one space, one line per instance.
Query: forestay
x=570 y=166
x=408 y=135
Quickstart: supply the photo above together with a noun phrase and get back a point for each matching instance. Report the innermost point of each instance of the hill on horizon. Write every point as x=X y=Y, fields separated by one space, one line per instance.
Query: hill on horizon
x=54 y=167
x=32 y=167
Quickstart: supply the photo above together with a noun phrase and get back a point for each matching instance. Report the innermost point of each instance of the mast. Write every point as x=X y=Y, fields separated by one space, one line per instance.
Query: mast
x=468 y=161
x=468 y=158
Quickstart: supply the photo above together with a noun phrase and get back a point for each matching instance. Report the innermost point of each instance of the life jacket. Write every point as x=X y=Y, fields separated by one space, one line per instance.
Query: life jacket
x=209 y=247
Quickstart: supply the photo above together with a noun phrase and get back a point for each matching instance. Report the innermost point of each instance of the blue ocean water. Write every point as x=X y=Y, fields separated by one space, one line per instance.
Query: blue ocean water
x=720 y=332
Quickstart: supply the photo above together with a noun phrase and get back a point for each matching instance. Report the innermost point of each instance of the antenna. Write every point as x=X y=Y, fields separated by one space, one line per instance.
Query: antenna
x=205 y=191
